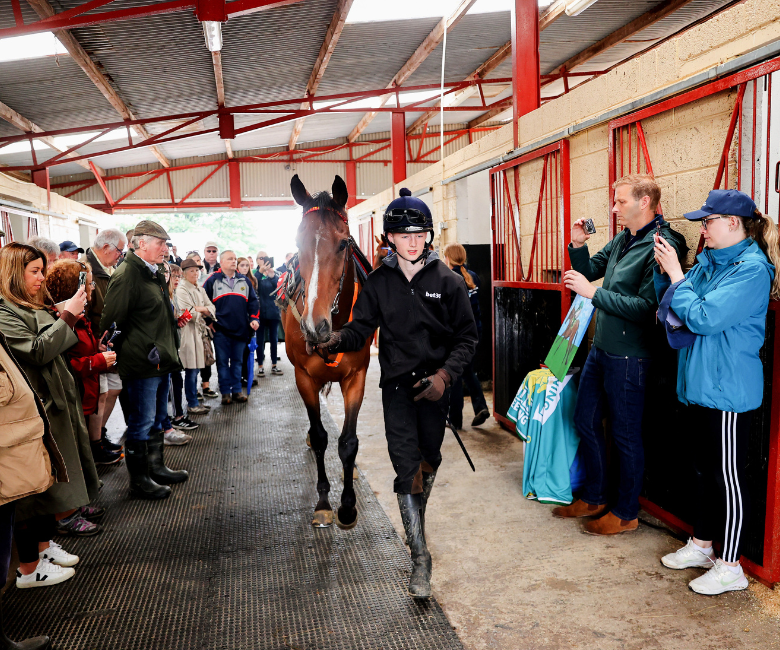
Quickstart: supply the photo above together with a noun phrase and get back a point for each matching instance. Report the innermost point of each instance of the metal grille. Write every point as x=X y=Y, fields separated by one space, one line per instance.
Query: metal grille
x=230 y=561
x=529 y=298
x=8 y=233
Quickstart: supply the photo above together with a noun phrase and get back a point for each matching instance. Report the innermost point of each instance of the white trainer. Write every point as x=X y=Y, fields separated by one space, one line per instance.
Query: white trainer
x=174 y=437
x=45 y=574
x=719 y=579
x=688 y=556
x=58 y=555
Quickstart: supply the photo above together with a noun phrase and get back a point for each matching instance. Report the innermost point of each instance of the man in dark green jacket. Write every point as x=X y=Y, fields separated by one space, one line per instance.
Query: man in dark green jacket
x=137 y=300
x=616 y=369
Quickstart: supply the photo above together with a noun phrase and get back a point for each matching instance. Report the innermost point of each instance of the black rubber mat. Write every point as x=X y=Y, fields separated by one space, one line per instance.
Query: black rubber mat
x=231 y=560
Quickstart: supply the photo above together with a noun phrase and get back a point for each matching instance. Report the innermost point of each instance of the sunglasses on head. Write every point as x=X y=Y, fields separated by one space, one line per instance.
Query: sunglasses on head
x=398 y=215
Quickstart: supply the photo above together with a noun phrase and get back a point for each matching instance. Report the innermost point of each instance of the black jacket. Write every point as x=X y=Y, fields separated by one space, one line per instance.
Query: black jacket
x=426 y=324
x=265 y=286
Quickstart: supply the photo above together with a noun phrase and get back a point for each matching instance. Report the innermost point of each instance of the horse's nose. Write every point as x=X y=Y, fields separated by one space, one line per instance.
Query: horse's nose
x=322 y=330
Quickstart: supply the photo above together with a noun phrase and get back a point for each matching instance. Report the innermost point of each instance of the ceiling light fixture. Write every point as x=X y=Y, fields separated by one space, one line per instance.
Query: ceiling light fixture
x=576 y=7
x=212 y=30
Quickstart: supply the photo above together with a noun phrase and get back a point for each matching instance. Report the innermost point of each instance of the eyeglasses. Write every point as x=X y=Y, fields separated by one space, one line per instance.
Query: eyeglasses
x=211 y=250
x=413 y=216
x=704 y=221
x=119 y=250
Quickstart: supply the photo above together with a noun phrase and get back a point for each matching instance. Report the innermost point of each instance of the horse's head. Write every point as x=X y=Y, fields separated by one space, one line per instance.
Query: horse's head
x=382 y=250
x=322 y=239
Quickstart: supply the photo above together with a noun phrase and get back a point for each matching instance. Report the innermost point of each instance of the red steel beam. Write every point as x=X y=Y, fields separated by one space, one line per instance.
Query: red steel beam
x=102 y=184
x=79 y=16
x=526 y=89
x=398 y=147
x=234 y=175
x=351 y=183
x=195 y=205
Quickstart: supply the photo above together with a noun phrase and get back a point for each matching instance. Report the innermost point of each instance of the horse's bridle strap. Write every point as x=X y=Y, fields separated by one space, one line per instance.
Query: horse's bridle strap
x=338 y=212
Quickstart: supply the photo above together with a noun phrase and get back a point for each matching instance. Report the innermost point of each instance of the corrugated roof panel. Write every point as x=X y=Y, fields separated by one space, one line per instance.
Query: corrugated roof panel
x=264 y=180
x=368 y=55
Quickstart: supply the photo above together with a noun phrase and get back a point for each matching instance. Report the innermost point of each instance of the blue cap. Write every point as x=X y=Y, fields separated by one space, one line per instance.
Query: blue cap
x=731 y=202
x=407 y=214
x=69 y=247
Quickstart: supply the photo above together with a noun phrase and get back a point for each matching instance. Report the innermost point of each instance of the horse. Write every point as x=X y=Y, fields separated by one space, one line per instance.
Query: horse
x=382 y=250
x=326 y=292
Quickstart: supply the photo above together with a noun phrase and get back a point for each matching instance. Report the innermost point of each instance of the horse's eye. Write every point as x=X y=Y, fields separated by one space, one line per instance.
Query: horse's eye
x=343 y=245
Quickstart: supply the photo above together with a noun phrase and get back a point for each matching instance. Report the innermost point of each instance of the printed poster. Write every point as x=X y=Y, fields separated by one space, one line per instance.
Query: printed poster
x=569 y=337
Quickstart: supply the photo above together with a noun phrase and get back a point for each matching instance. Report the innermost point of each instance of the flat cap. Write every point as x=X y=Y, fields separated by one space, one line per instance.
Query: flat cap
x=189 y=264
x=150 y=228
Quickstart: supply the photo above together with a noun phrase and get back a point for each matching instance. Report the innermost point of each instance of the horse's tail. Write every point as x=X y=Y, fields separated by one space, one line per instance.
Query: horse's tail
x=325 y=390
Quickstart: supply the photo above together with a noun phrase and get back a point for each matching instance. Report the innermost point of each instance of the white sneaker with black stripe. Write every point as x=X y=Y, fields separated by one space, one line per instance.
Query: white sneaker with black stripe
x=58 y=555
x=45 y=575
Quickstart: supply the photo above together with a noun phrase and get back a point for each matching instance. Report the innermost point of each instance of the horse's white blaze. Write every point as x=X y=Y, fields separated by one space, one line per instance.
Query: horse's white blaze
x=313 y=282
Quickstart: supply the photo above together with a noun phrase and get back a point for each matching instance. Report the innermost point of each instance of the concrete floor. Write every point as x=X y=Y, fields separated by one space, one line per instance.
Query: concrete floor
x=509 y=575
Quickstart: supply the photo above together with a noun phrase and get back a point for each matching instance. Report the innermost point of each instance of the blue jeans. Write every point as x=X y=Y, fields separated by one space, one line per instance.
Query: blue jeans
x=230 y=358
x=148 y=401
x=619 y=384
x=191 y=386
x=273 y=337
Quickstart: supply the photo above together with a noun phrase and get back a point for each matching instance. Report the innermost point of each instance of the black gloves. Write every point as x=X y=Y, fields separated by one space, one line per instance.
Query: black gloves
x=437 y=384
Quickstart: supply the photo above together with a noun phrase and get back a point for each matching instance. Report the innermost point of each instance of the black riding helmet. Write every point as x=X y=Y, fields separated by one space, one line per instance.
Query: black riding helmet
x=408 y=214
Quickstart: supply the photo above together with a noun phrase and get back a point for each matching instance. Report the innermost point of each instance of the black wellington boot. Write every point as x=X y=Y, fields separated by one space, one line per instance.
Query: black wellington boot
x=411 y=509
x=36 y=643
x=428 y=479
x=157 y=469
x=137 y=461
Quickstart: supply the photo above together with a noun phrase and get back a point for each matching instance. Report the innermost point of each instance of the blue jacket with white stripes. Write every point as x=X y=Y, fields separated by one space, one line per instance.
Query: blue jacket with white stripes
x=236 y=307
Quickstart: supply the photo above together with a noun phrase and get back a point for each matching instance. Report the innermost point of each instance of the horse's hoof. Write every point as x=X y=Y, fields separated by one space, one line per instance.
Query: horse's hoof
x=322 y=519
x=354 y=474
x=348 y=526
x=308 y=441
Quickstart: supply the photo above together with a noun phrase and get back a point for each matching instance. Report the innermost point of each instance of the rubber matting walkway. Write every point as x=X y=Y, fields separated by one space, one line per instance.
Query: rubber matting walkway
x=231 y=560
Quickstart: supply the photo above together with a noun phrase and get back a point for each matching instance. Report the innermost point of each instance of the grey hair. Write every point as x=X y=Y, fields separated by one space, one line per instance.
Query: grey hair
x=137 y=239
x=111 y=237
x=47 y=246
x=225 y=252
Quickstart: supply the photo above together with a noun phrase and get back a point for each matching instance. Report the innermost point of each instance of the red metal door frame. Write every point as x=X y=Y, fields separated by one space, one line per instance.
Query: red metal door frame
x=769 y=571
x=548 y=250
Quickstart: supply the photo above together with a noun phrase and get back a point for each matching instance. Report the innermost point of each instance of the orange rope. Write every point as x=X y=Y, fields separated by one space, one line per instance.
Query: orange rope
x=340 y=355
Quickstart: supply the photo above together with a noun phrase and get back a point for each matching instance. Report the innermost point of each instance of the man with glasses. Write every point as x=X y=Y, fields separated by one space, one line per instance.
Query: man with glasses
x=210 y=261
x=615 y=373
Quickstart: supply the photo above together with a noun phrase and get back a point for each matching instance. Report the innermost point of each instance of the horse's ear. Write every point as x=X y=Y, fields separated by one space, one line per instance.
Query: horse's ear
x=299 y=190
x=378 y=241
x=339 y=192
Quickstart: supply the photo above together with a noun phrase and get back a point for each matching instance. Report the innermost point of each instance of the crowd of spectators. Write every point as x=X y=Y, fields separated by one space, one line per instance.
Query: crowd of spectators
x=126 y=320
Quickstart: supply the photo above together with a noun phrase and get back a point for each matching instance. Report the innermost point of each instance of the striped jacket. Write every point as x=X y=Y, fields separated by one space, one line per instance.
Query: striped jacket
x=235 y=307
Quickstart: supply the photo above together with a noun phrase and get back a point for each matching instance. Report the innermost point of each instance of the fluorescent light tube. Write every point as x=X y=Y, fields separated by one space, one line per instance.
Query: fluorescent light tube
x=212 y=30
x=576 y=7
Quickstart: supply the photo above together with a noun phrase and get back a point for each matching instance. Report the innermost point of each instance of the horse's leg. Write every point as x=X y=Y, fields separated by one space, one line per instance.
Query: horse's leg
x=310 y=392
x=352 y=389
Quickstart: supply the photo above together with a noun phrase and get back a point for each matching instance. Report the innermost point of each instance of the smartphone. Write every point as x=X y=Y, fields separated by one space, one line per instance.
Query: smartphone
x=658 y=229
x=113 y=336
x=590 y=228
x=82 y=278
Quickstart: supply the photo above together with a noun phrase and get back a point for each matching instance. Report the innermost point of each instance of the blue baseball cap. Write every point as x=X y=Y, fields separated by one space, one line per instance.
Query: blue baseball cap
x=731 y=202
x=69 y=247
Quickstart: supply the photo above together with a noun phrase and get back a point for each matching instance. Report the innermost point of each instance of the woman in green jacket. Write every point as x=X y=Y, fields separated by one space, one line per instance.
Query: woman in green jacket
x=37 y=339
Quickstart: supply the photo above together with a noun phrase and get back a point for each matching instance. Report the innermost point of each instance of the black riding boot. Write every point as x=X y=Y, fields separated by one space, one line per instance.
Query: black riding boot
x=157 y=469
x=428 y=480
x=137 y=461
x=411 y=507
x=37 y=643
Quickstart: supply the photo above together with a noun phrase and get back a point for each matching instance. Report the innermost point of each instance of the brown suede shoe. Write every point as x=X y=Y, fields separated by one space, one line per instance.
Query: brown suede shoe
x=226 y=399
x=578 y=509
x=239 y=397
x=610 y=524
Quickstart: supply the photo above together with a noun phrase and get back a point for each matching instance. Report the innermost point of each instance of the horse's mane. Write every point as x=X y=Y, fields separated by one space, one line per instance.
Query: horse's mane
x=323 y=201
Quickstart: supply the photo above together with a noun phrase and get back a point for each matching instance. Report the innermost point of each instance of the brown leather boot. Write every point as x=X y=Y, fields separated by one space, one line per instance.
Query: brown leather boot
x=610 y=524
x=578 y=509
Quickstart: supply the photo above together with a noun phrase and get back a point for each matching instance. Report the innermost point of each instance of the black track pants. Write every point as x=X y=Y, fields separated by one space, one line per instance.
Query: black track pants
x=723 y=503
x=414 y=432
x=30 y=532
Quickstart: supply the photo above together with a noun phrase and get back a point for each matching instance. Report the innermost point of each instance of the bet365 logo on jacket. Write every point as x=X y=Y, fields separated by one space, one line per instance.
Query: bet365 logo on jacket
x=432 y=295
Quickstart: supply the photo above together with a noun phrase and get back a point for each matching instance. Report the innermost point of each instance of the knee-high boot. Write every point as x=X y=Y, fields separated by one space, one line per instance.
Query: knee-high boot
x=428 y=479
x=157 y=469
x=411 y=507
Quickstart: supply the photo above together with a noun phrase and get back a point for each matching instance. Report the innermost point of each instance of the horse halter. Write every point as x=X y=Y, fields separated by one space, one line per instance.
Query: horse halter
x=334 y=309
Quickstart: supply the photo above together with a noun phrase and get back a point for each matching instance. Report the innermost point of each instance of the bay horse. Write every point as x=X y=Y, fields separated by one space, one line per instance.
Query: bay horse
x=328 y=286
x=382 y=250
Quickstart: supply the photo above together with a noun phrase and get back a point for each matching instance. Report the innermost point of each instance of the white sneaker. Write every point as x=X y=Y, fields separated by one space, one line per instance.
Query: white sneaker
x=58 y=555
x=45 y=574
x=176 y=438
x=688 y=556
x=719 y=579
